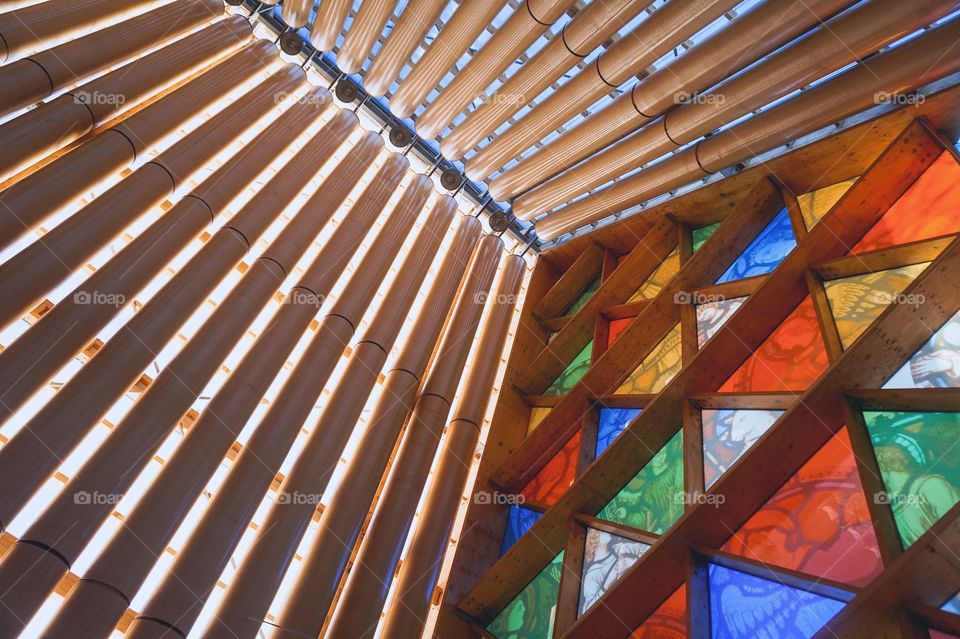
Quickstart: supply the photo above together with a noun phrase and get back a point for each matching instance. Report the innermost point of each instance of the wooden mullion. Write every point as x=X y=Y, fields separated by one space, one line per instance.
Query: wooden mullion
x=625 y=401
x=698 y=596
x=573 y=282
x=907 y=399
x=588 y=440
x=568 y=597
x=746 y=401
x=727 y=290
x=884 y=525
x=693 y=478
x=686 y=242
x=944 y=141
x=555 y=324
x=935 y=618
x=793 y=212
x=541 y=401
x=688 y=332
x=883 y=259
x=828 y=326
x=623 y=311
x=621 y=530
x=609 y=264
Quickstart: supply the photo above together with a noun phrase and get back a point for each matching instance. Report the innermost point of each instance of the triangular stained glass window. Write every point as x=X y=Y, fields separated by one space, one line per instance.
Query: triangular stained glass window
x=573 y=373
x=765 y=252
x=616 y=328
x=612 y=422
x=919 y=459
x=701 y=235
x=659 y=278
x=657 y=369
x=606 y=558
x=531 y=613
x=815 y=204
x=727 y=434
x=929 y=208
x=556 y=476
x=712 y=315
x=583 y=298
x=537 y=415
x=519 y=521
x=817 y=522
x=743 y=606
x=857 y=301
x=653 y=500
x=936 y=364
x=669 y=621
x=790 y=359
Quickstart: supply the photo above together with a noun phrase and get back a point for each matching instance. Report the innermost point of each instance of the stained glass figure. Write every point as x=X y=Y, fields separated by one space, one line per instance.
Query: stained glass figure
x=712 y=315
x=657 y=369
x=531 y=613
x=815 y=204
x=612 y=422
x=537 y=415
x=617 y=327
x=859 y=300
x=743 y=606
x=669 y=621
x=727 y=434
x=584 y=297
x=519 y=521
x=919 y=461
x=817 y=522
x=929 y=208
x=605 y=558
x=653 y=499
x=936 y=364
x=702 y=234
x=659 y=278
x=573 y=373
x=765 y=252
x=556 y=476
x=790 y=359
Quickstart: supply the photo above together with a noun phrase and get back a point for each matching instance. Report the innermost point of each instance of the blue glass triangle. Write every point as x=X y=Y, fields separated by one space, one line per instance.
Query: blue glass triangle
x=519 y=521
x=743 y=606
x=765 y=252
x=613 y=421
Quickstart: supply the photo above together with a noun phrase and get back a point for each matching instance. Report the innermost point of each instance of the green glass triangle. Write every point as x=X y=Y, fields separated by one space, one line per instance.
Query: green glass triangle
x=653 y=499
x=584 y=297
x=702 y=234
x=859 y=300
x=919 y=459
x=531 y=613
x=572 y=374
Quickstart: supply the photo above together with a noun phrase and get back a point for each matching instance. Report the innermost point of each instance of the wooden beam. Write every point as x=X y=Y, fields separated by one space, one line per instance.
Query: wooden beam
x=573 y=281
x=698 y=597
x=918 y=399
x=568 y=596
x=883 y=259
x=747 y=401
x=617 y=529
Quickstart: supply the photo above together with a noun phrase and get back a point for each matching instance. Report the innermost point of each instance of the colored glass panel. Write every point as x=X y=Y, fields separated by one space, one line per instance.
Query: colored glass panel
x=537 y=414
x=929 y=208
x=817 y=522
x=791 y=358
x=659 y=278
x=617 y=327
x=657 y=369
x=712 y=315
x=531 y=613
x=653 y=499
x=765 y=252
x=669 y=621
x=584 y=297
x=605 y=558
x=952 y=604
x=936 y=634
x=519 y=521
x=920 y=465
x=702 y=234
x=727 y=434
x=744 y=606
x=556 y=476
x=859 y=300
x=573 y=373
x=815 y=204
x=936 y=364
x=612 y=422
